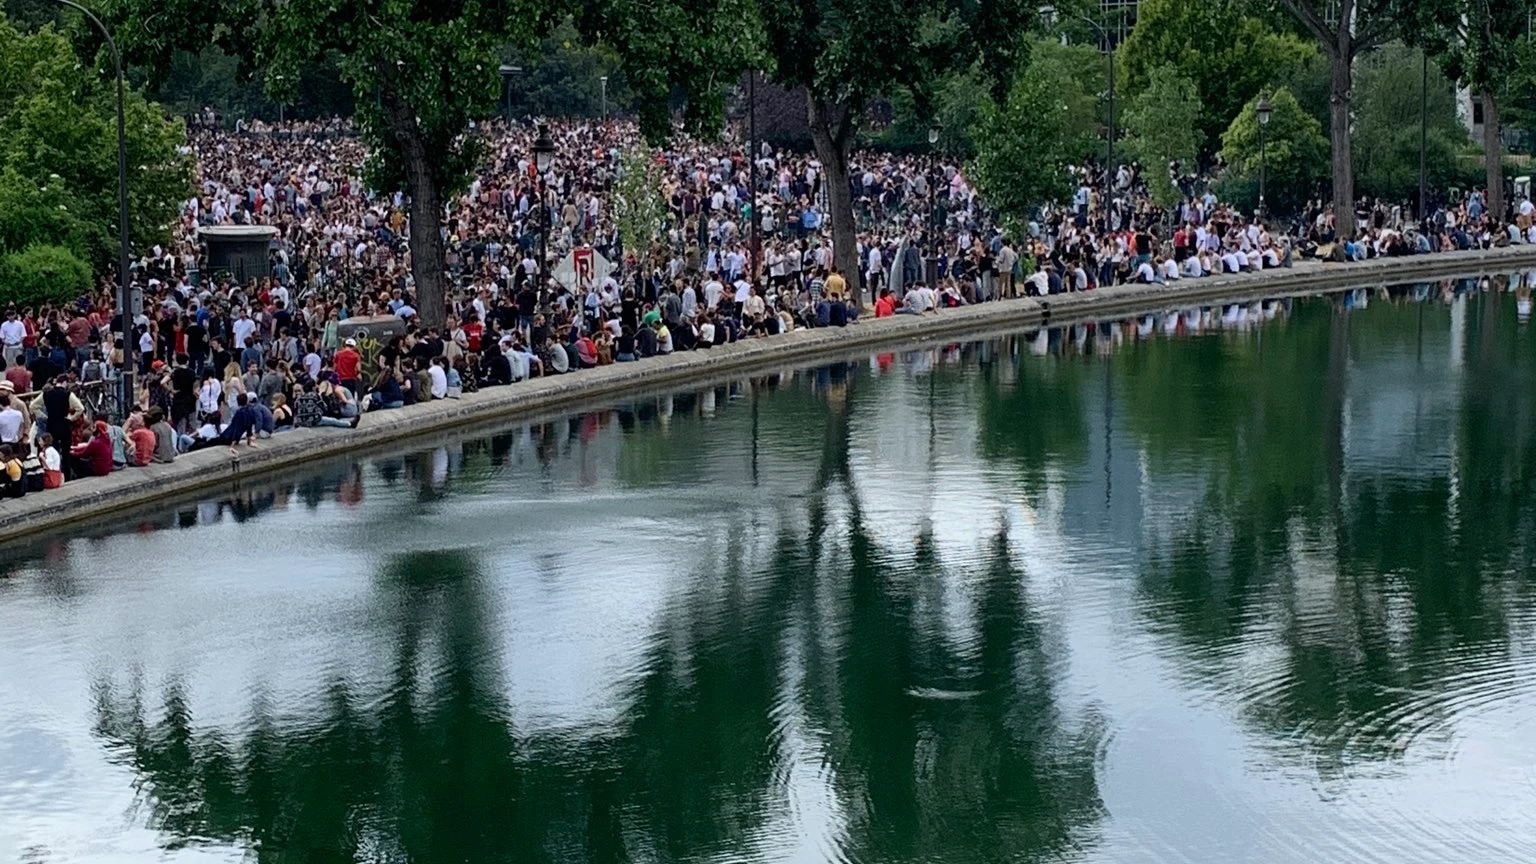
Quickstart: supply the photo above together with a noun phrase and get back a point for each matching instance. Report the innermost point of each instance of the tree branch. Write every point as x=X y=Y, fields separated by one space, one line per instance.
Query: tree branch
x=1307 y=14
x=1371 y=36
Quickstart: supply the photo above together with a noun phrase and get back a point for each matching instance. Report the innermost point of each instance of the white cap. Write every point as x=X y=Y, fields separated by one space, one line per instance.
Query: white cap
x=351 y=343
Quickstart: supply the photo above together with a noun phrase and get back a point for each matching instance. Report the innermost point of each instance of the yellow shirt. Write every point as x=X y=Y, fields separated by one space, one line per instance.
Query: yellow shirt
x=837 y=286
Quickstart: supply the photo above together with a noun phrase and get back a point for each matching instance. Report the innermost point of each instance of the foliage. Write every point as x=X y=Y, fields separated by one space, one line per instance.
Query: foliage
x=1344 y=29
x=563 y=77
x=1478 y=44
x=1308 y=82
x=1024 y=147
x=671 y=49
x=957 y=102
x=58 y=153
x=1292 y=146
x=1386 y=144
x=42 y=274
x=212 y=78
x=422 y=71
x=638 y=209
x=1228 y=53
x=1162 y=125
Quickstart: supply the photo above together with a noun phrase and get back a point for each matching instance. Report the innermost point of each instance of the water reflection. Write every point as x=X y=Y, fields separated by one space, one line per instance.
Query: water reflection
x=1355 y=567
x=924 y=606
x=928 y=751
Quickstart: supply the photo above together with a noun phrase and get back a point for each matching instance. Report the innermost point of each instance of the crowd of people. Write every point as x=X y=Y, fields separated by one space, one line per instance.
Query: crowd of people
x=223 y=363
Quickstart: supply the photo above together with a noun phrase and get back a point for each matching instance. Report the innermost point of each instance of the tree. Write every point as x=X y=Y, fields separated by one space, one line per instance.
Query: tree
x=1162 y=127
x=845 y=53
x=564 y=76
x=421 y=72
x=1386 y=146
x=43 y=273
x=1229 y=54
x=58 y=154
x=1023 y=147
x=1344 y=28
x=1293 y=149
x=1477 y=43
x=638 y=209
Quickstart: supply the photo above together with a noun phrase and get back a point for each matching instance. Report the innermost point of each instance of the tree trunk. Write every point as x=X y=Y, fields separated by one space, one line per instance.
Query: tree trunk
x=832 y=133
x=1493 y=155
x=428 y=267
x=1341 y=86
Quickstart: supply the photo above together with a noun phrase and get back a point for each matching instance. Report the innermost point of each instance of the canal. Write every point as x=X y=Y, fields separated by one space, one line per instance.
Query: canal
x=1242 y=584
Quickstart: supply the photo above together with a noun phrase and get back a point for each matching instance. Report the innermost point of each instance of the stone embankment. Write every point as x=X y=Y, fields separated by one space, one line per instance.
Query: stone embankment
x=94 y=498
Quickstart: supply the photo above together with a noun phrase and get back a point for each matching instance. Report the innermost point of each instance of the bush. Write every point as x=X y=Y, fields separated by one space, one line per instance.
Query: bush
x=42 y=274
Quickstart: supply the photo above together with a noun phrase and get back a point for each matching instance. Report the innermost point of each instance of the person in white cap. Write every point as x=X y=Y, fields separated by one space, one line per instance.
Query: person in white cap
x=349 y=366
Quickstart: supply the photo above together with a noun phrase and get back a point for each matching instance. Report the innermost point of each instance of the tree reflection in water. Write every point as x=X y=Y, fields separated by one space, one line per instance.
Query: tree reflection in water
x=1351 y=605
x=436 y=769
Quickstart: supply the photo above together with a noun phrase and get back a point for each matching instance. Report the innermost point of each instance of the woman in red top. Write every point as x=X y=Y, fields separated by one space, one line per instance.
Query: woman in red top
x=94 y=457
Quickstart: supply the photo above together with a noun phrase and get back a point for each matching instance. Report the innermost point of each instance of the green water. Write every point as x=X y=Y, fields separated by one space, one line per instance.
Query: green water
x=1131 y=593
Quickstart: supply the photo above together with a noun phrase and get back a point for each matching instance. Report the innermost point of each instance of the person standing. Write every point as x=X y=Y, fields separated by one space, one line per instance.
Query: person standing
x=12 y=334
x=349 y=365
x=61 y=407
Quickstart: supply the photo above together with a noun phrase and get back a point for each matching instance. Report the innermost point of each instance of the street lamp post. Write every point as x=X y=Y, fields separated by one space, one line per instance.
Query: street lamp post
x=755 y=227
x=934 y=129
x=1263 y=111
x=507 y=72
x=603 y=80
x=1423 y=131
x=124 y=287
x=543 y=157
x=1109 y=159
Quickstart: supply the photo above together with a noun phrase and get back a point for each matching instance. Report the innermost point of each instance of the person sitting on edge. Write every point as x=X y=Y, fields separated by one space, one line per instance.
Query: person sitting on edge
x=141 y=439
x=94 y=457
x=242 y=425
x=12 y=482
x=385 y=392
x=165 y=437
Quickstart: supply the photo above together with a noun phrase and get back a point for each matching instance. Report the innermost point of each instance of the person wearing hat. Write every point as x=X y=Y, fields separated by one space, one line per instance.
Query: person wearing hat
x=8 y=390
x=349 y=366
x=12 y=422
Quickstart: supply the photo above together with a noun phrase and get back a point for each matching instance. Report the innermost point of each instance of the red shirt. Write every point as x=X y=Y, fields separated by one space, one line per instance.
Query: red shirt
x=348 y=364
x=20 y=378
x=97 y=454
x=143 y=446
x=472 y=333
x=885 y=307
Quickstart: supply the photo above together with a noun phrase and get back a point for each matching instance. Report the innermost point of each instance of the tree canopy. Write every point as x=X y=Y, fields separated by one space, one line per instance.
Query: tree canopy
x=1292 y=147
x=1025 y=145
x=1162 y=127
x=1389 y=87
x=58 y=156
x=1229 y=54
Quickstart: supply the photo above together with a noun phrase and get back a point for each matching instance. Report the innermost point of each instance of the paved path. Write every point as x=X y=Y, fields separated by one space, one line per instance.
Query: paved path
x=98 y=497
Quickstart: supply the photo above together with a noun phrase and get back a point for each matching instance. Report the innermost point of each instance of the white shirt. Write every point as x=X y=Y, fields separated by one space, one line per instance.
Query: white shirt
x=243 y=327
x=13 y=332
x=208 y=396
x=439 y=381
x=10 y=425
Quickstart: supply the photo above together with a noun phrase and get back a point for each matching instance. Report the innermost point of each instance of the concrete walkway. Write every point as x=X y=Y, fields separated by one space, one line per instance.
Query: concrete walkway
x=97 y=497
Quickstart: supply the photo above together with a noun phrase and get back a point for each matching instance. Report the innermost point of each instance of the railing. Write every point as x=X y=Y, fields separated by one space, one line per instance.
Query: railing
x=101 y=399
